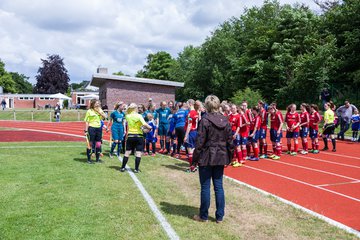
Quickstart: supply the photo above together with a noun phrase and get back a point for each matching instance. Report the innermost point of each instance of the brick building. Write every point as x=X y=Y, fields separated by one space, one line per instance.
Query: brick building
x=114 y=88
x=28 y=100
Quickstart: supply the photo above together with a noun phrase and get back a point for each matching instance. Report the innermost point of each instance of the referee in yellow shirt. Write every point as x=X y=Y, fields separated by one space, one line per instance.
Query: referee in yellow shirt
x=136 y=126
x=329 y=127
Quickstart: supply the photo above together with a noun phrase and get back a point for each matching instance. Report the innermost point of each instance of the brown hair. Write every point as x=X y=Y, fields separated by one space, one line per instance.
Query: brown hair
x=288 y=109
x=314 y=106
x=92 y=103
x=306 y=106
x=197 y=105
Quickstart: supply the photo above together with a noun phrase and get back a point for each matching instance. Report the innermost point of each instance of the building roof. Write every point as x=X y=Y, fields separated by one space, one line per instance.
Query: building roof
x=25 y=95
x=98 y=79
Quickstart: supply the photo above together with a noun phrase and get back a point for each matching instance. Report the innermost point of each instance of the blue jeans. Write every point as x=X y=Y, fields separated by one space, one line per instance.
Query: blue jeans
x=344 y=126
x=216 y=174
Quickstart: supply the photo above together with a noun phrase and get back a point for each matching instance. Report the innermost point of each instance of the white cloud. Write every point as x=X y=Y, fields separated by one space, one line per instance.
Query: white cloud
x=115 y=34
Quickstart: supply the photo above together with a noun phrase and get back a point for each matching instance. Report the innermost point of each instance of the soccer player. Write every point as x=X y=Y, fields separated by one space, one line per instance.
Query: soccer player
x=247 y=112
x=191 y=125
x=292 y=122
x=276 y=123
x=244 y=133
x=151 y=136
x=263 y=130
x=163 y=126
x=304 y=126
x=329 y=127
x=117 y=122
x=355 y=125
x=255 y=132
x=314 y=120
x=171 y=131
x=180 y=119
x=234 y=119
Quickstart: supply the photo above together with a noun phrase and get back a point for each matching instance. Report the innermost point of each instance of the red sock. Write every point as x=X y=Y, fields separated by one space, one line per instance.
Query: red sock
x=244 y=153
x=256 y=152
x=278 y=150
x=265 y=148
x=296 y=147
x=306 y=146
x=261 y=147
x=235 y=155
x=289 y=147
x=239 y=155
x=190 y=158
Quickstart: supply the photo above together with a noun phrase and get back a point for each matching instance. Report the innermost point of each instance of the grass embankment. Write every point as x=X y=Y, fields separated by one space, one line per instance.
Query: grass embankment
x=51 y=193
x=42 y=115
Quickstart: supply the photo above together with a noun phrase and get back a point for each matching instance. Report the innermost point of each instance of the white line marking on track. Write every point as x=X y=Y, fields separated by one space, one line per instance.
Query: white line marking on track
x=336 y=163
x=312 y=169
x=341 y=155
x=337 y=184
x=164 y=223
x=305 y=183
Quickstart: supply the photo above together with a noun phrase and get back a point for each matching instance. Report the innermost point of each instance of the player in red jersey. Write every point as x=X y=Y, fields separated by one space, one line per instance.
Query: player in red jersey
x=255 y=132
x=304 y=126
x=248 y=114
x=191 y=125
x=244 y=133
x=235 y=120
x=292 y=122
x=276 y=124
x=263 y=129
x=314 y=121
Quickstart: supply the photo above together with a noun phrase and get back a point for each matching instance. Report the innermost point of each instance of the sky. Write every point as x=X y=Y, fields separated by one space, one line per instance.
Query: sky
x=116 y=34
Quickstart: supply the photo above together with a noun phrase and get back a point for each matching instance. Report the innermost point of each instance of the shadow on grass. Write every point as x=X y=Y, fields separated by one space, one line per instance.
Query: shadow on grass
x=117 y=168
x=177 y=166
x=83 y=160
x=181 y=210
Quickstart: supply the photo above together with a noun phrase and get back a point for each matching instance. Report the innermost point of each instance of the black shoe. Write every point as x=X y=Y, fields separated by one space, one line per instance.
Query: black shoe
x=334 y=150
x=122 y=170
x=324 y=149
x=99 y=161
x=136 y=170
x=90 y=162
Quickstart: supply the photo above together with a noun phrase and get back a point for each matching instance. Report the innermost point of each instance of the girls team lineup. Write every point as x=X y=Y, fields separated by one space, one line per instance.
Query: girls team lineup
x=137 y=129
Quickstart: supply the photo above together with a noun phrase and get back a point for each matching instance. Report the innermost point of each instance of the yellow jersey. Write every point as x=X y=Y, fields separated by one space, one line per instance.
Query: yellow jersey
x=329 y=116
x=134 y=122
x=93 y=118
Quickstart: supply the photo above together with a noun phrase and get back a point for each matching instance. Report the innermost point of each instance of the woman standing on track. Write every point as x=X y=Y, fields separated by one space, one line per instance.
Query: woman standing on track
x=329 y=127
x=314 y=121
x=276 y=124
x=213 y=150
x=292 y=122
x=304 y=126
x=93 y=129
x=135 y=138
x=117 y=119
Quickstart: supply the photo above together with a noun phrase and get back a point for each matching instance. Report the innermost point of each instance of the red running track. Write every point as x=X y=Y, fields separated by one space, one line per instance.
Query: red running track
x=327 y=183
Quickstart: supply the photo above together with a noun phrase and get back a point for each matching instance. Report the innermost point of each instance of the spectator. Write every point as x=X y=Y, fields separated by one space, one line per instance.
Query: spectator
x=57 y=112
x=214 y=149
x=345 y=112
x=3 y=104
x=325 y=96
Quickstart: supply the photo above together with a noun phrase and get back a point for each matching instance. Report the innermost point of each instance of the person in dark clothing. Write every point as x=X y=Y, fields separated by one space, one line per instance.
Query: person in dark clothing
x=325 y=96
x=214 y=149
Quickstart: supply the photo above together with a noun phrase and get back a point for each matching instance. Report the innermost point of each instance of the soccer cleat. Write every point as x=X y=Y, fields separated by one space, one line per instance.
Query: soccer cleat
x=247 y=158
x=325 y=148
x=288 y=152
x=334 y=150
x=136 y=170
x=111 y=155
x=276 y=158
x=293 y=153
x=263 y=156
x=311 y=151
x=122 y=170
x=236 y=164
x=146 y=153
x=315 y=151
x=90 y=162
x=165 y=152
x=303 y=152
x=161 y=150
x=99 y=161
x=153 y=155
x=242 y=161
x=272 y=156
x=254 y=159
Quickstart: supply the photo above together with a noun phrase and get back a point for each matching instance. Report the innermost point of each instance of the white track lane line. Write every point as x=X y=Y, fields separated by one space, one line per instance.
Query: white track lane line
x=346 y=156
x=337 y=184
x=321 y=160
x=312 y=169
x=305 y=183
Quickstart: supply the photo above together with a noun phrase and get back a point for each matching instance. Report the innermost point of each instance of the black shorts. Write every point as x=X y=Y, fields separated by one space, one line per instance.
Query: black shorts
x=329 y=129
x=135 y=142
x=95 y=134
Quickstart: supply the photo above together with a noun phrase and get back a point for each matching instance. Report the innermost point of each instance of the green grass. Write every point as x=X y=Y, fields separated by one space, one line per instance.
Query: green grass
x=51 y=193
x=42 y=115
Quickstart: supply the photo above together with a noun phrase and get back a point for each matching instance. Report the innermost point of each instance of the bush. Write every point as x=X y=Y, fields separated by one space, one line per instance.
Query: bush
x=252 y=97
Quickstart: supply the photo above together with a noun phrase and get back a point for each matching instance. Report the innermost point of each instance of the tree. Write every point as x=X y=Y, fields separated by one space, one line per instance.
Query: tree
x=252 y=97
x=6 y=80
x=120 y=73
x=158 y=66
x=52 y=76
x=79 y=86
x=21 y=83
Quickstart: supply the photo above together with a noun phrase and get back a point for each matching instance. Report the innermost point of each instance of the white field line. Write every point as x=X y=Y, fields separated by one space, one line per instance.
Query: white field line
x=337 y=184
x=336 y=163
x=312 y=169
x=315 y=214
x=339 y=155
x=164 y=223
x=305 y=183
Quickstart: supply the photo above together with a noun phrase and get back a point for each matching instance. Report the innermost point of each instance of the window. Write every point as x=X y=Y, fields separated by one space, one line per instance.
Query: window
x=26 y=98
x=46 y=98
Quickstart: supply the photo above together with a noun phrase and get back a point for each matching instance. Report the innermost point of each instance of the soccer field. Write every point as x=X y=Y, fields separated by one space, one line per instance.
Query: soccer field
x=49 y=192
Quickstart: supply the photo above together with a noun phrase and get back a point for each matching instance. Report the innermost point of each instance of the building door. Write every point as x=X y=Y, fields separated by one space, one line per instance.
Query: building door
x=11 y=102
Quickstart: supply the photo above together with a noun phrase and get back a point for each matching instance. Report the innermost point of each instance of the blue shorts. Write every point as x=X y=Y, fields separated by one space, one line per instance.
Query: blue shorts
x=274 y=137
x=163 y=129
x=262 y=133
x=313 y=133
x=255 y=138
x=304 y=132
x=117 y=133
x=236 y=141
x=292 y=134
x=243 y=140
x=191 y=140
